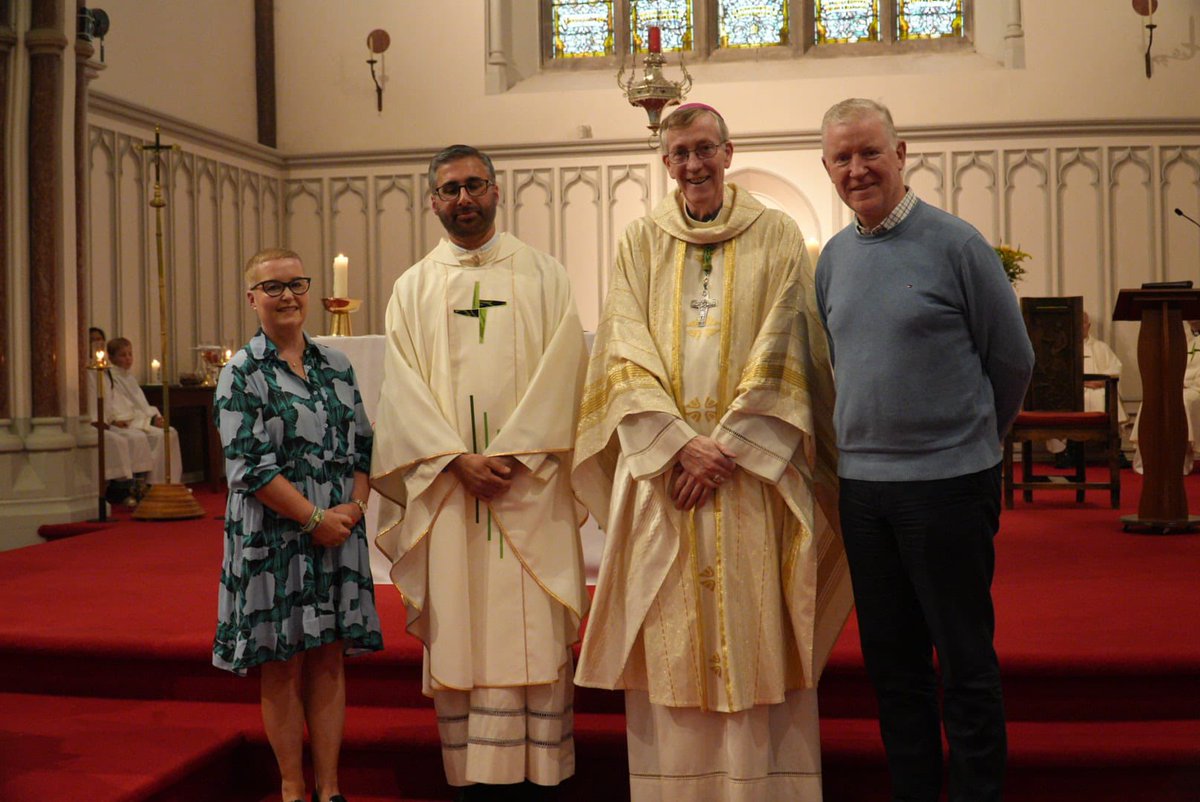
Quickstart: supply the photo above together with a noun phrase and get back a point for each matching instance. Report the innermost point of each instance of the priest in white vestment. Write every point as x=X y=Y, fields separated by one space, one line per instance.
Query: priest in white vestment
x=126 y=451
x=706 y=452
x=127 y=408
x=474 y=436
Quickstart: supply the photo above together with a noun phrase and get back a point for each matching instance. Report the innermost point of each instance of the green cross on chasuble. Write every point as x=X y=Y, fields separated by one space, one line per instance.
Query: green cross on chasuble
x=479 y=309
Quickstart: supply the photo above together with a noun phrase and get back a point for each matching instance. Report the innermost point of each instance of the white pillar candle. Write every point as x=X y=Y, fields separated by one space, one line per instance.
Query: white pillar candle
x=155 y=371
x=341 y=278
x=814 y=251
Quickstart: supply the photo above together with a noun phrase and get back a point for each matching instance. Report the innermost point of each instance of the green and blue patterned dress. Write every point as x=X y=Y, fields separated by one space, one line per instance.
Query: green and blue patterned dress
x=280 y=592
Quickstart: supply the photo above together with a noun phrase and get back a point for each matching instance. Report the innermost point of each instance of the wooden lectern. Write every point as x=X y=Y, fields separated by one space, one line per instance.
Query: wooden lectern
x=1162 y=426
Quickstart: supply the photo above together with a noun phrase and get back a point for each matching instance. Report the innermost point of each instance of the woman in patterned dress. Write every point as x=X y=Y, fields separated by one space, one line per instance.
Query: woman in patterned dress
x=296 y=592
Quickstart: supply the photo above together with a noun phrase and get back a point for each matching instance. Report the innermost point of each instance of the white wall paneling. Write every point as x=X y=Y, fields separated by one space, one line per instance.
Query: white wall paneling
x=1094 y=208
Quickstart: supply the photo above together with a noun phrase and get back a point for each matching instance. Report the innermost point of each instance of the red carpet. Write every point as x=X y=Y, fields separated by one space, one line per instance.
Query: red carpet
x=109 y=694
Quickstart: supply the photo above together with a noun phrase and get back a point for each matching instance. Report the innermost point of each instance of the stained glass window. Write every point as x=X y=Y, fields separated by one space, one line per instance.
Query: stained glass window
x=753 y=23
x=844 y=21
x=928 y=19
x=673 y=18
x=581 y=29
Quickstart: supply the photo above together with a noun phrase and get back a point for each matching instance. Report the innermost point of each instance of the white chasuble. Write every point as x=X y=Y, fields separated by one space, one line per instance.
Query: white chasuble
x=485 y=355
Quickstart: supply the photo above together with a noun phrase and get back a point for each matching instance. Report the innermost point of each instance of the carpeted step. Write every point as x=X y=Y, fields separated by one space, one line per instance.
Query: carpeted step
x=1101 y=761
x=113 y=750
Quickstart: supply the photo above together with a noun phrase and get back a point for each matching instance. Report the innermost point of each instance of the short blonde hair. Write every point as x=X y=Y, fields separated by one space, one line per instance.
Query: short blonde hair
x=116 y=344
x=262 y=257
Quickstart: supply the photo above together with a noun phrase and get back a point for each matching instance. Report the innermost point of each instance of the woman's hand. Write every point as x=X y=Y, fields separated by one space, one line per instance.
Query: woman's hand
x=334 y=528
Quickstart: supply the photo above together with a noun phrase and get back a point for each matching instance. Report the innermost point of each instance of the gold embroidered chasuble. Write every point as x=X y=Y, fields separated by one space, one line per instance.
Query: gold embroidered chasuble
x=731 y=605
x=484 y=354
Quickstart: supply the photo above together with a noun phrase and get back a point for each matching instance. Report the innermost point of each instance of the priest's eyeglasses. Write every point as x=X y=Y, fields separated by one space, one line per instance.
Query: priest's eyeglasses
x=474 y=187
x=703 y=153
x=298 y=286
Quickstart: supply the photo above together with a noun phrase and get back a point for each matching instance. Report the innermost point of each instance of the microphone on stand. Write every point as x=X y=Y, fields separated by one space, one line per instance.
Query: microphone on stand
x=1179 y=212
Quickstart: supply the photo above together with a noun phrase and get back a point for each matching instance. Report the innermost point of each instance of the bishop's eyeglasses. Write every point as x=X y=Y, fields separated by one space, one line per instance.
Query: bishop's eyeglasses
x=474 y=187
x=298 y=286
x=703 y=153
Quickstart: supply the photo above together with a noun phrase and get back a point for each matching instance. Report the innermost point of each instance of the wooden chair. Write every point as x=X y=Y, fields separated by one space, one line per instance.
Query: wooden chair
x=1054 y=404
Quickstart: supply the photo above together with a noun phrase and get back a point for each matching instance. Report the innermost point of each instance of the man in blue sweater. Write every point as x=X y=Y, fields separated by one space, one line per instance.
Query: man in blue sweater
x=931 y=361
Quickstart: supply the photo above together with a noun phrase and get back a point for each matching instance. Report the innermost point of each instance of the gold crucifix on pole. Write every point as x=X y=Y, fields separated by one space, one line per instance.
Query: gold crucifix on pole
x=167 y=501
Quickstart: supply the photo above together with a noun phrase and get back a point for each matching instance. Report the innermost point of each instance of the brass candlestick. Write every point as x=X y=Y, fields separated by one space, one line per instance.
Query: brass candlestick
x=340 y=309
x=99 y=364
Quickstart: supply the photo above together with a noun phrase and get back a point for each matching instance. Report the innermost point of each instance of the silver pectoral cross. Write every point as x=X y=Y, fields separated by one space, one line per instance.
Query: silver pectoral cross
x=704 y=303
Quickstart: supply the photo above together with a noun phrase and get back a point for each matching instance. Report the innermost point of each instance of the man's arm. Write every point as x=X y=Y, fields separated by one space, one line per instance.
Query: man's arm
x=998 y=329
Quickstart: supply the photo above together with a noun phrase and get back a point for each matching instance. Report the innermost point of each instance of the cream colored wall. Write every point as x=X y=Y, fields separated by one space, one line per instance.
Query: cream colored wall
x=1083 y=57
x=193 y=61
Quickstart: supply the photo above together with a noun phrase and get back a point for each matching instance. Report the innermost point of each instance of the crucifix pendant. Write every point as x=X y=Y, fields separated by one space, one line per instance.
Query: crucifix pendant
x=703 y=304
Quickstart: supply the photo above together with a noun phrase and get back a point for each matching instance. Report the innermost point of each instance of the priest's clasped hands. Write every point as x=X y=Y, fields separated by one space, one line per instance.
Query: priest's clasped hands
x=484 y=477
x=703 y=466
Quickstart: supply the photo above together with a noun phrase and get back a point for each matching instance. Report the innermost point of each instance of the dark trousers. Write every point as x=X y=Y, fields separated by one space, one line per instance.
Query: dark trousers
x=921 y=560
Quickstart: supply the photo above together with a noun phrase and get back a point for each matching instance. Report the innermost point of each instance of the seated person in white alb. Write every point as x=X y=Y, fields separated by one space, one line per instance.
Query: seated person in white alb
x=127 y=408
x=126 y=453
x=1097 y=358
x=1191 y=400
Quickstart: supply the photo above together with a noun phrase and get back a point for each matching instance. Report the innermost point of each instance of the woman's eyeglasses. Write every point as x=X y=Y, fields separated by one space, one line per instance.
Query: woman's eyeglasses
x=298 y=286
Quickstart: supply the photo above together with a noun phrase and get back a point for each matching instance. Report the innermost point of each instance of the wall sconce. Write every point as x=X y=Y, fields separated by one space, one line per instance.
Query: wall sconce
x=1147 y=8
x=653 y=92
x=93 y=24
x=377 y=43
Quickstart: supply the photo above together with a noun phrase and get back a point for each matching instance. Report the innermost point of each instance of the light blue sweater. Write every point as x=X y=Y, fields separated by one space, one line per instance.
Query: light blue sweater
x=931 y=357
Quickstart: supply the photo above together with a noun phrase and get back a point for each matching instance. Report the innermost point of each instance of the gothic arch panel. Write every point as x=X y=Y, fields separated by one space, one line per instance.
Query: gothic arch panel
x=533 y=208
x=974 y=197
x=1080 y=225
x=103 y=232
x=232 y=327
x=186 y=281
x=304 y=226
x=580 y=222
x=1027 y=219
x=208 y=257
x=350 y=233
x=395 y=245
x=1181 y=190
x=925 y=173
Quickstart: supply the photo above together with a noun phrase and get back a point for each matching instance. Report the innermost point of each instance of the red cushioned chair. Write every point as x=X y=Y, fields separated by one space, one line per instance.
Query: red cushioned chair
x=1054 y=404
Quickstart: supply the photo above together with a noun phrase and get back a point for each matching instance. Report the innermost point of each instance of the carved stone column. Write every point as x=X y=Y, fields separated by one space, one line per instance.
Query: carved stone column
x=8 y=38
x=46 y=44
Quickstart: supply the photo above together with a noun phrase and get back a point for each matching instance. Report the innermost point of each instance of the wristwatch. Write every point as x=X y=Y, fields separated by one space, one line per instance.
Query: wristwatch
x=362 y=505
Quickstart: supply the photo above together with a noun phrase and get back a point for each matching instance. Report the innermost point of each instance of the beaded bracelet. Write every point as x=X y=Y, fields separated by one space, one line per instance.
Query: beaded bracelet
x=314 y=520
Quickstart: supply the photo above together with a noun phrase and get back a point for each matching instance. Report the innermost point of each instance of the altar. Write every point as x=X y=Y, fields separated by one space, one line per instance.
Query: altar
x=366 y=355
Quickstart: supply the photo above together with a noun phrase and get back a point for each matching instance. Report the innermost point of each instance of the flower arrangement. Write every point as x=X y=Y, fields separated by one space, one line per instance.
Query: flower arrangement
x=1011 y=258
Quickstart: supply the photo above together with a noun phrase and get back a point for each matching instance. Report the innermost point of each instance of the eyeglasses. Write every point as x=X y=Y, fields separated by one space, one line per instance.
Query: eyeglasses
x=298 y=286
x=703 y=153
x=474 y=187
